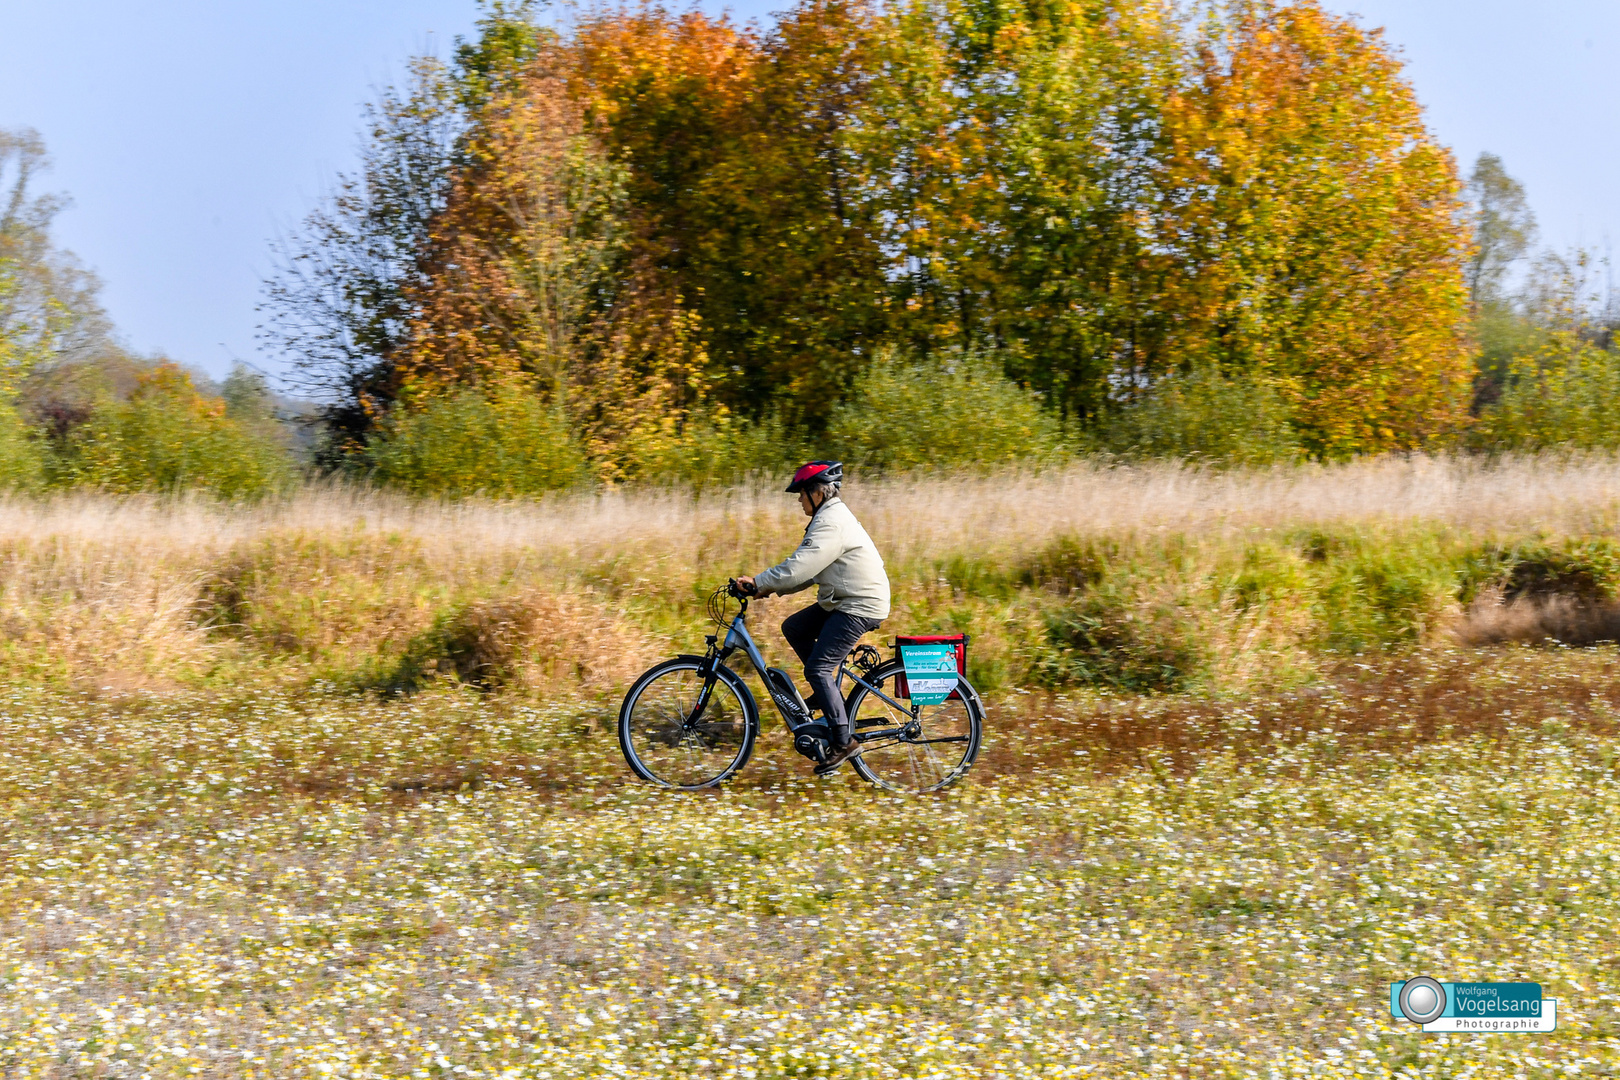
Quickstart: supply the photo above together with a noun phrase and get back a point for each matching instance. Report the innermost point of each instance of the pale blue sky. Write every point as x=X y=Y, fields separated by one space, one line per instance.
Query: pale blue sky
x=188 y=131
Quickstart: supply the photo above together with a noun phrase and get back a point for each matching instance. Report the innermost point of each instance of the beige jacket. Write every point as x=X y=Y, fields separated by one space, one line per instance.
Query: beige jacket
x=837 y=555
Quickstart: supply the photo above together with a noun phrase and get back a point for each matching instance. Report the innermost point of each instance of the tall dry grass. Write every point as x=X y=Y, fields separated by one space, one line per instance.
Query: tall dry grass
x=331 y=579
x=1567 y=493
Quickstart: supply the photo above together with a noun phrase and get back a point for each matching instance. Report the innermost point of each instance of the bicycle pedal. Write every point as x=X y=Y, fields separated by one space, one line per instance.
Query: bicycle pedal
x=826 y=768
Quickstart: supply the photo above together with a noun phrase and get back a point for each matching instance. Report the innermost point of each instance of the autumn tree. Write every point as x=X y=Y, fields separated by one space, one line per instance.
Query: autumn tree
x=50 y=311
x=746 y=189
x=338 y=302
x=1310 y=229
x=531 y=276
x=1009 y=147
x=660 y=222
x=527 y=249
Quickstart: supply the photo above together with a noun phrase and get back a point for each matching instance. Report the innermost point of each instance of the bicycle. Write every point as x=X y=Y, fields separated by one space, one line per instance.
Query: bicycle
x=691 y=722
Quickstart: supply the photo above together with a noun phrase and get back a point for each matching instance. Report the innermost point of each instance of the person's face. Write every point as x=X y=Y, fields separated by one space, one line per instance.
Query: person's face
x=805 y=504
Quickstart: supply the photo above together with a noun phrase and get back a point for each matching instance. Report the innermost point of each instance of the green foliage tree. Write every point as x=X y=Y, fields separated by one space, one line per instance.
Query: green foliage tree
x=167 y=437
x=509 y=37
x=1009 y=150
x=1546 y=365
x=247 y=396
x=49 y=308
x=1504 y=229
x=50 y=314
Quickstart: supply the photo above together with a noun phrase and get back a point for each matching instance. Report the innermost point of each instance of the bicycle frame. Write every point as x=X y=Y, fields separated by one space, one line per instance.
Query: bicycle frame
x=737 y=637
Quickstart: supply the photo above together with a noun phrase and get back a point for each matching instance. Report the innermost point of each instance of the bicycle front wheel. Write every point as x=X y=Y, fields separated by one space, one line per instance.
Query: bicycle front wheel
x=925 y=753
x=668 y=743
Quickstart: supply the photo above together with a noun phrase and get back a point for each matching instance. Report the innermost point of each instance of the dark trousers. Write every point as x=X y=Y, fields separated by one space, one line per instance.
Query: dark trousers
x=822 y=640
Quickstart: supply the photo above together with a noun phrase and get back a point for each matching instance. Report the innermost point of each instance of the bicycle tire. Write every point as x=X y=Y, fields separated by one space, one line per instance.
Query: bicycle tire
x=930 y=762
x=662 y=749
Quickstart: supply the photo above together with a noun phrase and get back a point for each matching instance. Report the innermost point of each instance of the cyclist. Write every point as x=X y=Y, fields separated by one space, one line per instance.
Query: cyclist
x=853 y=598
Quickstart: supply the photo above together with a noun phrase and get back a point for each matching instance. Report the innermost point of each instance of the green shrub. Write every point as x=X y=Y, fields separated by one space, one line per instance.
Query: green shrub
x=506 y=444
x=479 y=645
x=1270 y=576
x=1068 y=564
x=1103 y=639
x=167 y=437
x=1562 y=395
x=1587 y=569
x=959 y=411
x=22 y=457
x=1371 y=593
x=1503 y=333
x=712 y=447
x=1205 y=416
x=1154 y=618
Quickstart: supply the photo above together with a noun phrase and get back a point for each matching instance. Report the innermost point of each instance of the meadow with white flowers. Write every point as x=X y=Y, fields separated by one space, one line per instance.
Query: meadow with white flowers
x=291 y=868
x=276 y=887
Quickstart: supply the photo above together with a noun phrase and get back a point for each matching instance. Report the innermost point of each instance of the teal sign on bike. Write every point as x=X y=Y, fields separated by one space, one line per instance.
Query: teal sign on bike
x=930 y=672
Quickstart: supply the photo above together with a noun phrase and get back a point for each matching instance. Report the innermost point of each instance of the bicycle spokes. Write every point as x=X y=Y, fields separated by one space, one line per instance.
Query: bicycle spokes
x=680 y=729
x=913 y=749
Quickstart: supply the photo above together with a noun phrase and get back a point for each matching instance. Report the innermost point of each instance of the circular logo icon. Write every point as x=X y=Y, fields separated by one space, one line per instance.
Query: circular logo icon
x=1422 y=1000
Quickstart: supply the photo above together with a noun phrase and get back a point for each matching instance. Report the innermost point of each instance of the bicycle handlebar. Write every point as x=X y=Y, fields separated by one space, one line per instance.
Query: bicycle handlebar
x=738 y=591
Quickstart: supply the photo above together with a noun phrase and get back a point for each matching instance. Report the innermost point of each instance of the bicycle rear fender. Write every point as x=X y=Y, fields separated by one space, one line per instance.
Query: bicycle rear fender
x=964 y=687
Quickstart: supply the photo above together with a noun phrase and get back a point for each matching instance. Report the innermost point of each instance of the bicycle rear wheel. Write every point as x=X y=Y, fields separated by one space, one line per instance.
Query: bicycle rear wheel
x=930 y=752
x=665 y=745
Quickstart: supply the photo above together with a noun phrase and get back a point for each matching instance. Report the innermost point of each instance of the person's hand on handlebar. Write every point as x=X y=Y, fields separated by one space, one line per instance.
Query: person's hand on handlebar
x=746 y=586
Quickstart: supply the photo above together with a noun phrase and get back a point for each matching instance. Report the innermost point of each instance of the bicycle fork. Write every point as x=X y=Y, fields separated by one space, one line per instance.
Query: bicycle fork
x=706 y=671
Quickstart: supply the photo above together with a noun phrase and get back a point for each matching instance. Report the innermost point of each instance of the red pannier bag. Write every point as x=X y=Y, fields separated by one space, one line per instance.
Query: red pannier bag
x=901 y=690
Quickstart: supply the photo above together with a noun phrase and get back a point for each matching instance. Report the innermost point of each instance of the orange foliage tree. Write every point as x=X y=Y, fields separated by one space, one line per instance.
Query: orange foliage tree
x=746 y=191
x=1309 y=230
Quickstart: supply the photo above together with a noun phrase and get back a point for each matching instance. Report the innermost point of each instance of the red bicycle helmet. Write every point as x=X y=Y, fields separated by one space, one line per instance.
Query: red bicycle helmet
x=816 y=472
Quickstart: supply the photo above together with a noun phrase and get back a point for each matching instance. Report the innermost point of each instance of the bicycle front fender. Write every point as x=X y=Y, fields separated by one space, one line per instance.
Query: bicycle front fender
x=736 y=682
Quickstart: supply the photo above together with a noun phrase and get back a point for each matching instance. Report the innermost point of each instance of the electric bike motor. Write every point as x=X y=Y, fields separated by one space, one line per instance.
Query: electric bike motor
x=813 y=741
